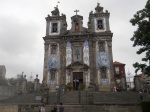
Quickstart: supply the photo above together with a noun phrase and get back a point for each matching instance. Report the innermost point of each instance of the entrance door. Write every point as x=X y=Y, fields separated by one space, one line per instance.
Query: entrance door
x=77 y=79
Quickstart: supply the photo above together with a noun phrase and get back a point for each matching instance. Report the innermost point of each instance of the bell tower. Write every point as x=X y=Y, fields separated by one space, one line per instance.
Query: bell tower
x=56 y=24
x=99 y=20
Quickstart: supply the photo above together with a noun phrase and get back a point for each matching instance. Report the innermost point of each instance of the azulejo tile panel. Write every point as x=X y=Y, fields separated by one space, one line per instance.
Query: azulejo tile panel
x=102 y=59
x=53 y=62
x=86 y=52
x=68 y=53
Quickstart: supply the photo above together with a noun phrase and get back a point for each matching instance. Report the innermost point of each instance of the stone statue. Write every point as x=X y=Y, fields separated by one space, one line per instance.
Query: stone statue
x=24 y=85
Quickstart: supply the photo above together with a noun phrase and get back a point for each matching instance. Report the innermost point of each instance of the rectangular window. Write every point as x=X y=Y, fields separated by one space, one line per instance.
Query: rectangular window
x=117 y=70
x=103 y=72
x=54 y=27
x=100 y=24
x=53 y=49
x=101 y=47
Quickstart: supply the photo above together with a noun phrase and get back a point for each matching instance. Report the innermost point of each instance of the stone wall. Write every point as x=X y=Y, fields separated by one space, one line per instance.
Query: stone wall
x=96 y=108
x=8 y=108
x=7 y=91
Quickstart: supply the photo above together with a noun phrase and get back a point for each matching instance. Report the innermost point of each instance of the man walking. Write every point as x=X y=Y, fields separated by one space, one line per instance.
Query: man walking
x=61 y=108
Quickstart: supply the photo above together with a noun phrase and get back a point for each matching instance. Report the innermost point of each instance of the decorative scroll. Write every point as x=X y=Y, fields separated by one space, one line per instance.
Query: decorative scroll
x=54 y=62
x=102 y=59
x=86 y=53
x=68 y=53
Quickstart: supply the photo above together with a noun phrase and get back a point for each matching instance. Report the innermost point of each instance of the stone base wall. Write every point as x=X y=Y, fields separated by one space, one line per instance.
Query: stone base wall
x=96 y=108
x=7 y=91
x=8 y=108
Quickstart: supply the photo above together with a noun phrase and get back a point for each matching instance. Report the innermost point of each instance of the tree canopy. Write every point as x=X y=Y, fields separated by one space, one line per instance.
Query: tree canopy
x=141 y=37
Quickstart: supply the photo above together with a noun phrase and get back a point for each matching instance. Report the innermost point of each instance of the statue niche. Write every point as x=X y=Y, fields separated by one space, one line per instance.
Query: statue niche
x=76 y=27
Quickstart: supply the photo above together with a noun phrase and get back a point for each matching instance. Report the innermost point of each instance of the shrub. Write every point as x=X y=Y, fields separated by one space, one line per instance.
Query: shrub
x=145 y=106
x=82 y=86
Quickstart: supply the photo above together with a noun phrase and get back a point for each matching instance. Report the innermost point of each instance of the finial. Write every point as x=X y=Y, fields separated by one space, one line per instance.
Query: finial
x=57 y=4
x=36 y=75
x=76 y=11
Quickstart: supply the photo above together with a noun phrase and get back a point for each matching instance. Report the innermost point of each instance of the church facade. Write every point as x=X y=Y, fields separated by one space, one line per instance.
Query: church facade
x=79 y=55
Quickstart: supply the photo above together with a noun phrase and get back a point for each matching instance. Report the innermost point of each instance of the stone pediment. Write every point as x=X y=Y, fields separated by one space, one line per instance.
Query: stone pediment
x=77 y=65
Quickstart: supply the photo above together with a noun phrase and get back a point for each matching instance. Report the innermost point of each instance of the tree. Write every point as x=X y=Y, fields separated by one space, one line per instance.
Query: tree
x=3 y=81
x=12 y=81
x=141 y=37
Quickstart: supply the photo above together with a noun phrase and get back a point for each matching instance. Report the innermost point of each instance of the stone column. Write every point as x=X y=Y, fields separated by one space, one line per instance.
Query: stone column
x=92 y=57
x=111 y=61
x=62 y=63
x=36 y=83
x=45 y=71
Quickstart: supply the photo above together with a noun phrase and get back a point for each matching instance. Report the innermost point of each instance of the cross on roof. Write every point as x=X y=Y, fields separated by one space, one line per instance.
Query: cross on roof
x=76 y=11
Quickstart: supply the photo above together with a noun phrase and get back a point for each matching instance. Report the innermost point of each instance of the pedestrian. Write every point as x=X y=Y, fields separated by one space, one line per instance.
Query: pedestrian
x=141 y=95
x=115 y=88
x=61 y=108
x=54 y=108
x=42 y=108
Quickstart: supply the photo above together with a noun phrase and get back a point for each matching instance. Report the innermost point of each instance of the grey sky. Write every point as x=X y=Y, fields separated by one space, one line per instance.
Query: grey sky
x=22 y=26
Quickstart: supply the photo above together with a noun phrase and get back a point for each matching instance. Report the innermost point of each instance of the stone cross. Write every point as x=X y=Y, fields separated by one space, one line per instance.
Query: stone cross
x=77 y=53
x=76 y=11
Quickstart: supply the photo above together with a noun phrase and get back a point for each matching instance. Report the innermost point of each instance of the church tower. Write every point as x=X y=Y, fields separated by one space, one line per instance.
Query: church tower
x=79 y=55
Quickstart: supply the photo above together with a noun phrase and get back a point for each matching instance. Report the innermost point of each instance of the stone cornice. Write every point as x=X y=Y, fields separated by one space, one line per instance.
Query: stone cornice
x=99 y=15
x=48 y=18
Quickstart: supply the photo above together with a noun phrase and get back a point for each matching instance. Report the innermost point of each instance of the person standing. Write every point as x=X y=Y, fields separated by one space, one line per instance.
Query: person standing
x=61 y=108
x=141 y=95
x=54 y=108
x=115 y=88
x=42 y=109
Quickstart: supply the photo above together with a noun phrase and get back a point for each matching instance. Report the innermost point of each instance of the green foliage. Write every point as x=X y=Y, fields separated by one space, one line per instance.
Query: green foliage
x=82 y=86
x=145 y=106
x=12 y=81
x=141 y=37
x=3 y=81
x=69 y=86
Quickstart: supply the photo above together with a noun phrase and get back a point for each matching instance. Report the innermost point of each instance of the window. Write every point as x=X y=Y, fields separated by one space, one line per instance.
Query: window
x=53 y=49
x=52 y=75
x=117 y=70
x=100 y=24
x=54 y=27
x=103 y=72
x=101 y=47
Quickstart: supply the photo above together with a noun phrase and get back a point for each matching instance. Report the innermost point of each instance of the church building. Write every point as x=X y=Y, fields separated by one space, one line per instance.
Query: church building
x=79 y=55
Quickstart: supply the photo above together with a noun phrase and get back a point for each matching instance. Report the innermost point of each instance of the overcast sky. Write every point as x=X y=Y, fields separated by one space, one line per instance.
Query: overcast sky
x=22 y=26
